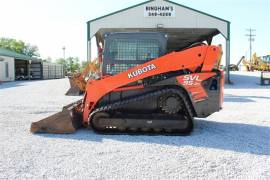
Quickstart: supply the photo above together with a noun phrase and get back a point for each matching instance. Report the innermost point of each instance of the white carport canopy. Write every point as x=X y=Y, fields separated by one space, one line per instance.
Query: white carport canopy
x=183 y=25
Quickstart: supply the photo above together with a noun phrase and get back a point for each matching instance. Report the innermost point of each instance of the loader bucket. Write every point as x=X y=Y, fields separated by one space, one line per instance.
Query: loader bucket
x=74 y=90
x=65 y=122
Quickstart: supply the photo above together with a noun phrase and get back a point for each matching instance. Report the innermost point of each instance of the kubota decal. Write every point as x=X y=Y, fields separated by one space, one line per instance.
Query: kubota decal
x=141 y=71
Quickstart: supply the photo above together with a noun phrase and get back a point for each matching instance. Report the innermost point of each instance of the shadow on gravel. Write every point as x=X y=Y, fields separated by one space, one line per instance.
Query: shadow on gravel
x=234 y=98
x=245 y=82
x=19 y=83
x=244 y=138
x=13 y=84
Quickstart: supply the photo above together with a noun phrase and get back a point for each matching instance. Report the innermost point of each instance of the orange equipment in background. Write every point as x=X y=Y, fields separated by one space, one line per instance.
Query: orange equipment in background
x=78 y=80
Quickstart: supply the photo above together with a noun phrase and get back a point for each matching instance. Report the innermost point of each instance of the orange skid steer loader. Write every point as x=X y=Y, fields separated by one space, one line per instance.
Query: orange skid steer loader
x=145 y=89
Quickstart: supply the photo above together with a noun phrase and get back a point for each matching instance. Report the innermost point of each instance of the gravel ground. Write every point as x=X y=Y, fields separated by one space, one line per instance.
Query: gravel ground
x=231 y=144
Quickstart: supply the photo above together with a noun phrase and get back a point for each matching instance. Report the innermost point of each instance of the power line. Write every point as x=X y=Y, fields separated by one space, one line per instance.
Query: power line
x=250 y=39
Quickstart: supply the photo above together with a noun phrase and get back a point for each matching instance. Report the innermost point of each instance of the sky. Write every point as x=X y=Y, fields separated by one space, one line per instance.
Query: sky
x=52 y=24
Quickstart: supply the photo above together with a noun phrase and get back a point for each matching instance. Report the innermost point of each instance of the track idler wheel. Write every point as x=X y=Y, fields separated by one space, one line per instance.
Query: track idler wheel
x=96 y=121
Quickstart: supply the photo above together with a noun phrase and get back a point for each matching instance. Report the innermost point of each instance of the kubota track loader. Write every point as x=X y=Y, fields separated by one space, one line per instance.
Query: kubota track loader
x=144 y=88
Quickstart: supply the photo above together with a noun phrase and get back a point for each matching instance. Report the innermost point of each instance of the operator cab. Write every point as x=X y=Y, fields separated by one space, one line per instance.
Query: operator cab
x=126 y=50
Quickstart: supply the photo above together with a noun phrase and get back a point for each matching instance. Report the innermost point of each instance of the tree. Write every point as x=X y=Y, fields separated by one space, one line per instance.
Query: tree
x=63 y=62
x=48 y=59
x=31 y=51
x=71 y=64
x=84 y=64
x=19 y=47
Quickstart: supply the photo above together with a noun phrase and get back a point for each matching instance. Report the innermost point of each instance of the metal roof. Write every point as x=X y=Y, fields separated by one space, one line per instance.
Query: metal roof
x=153 y=0
x=188 y=22
x=18 y=56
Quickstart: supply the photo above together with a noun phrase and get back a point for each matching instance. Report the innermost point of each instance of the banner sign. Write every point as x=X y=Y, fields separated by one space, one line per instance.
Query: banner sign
x=159 y=11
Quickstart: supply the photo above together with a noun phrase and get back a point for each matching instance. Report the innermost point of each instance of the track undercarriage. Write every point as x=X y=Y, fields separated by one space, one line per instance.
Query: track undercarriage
x=173 y=115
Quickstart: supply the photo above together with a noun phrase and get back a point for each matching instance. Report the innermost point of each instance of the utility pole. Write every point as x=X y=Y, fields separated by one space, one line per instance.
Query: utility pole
x=64 y=53
x=250 y=39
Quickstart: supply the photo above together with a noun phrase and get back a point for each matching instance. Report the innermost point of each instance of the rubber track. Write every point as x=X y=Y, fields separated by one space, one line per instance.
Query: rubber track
x=123 y=103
